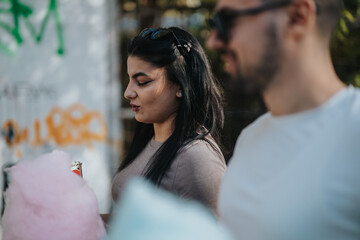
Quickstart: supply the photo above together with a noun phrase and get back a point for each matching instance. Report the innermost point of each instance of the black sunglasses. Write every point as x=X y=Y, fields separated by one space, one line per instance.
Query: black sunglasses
x=223 y=20
x=155 y=34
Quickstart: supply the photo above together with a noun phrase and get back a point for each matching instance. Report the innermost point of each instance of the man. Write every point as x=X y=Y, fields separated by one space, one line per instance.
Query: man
x=295 y=172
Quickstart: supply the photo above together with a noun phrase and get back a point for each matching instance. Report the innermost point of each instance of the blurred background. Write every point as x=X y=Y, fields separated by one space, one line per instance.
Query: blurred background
x=63 y=73
x=191 y=15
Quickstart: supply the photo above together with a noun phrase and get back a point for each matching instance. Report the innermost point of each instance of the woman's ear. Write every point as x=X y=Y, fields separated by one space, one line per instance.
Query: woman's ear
x=179 y=93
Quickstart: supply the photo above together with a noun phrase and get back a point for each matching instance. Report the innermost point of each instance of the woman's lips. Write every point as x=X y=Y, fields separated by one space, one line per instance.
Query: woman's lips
x=135 y=108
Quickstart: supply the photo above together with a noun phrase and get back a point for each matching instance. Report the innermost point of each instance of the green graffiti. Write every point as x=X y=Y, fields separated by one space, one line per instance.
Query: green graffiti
x=21 y=12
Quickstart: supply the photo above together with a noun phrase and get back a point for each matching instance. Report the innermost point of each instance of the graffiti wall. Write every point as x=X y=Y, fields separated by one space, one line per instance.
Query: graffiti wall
x=58 y=85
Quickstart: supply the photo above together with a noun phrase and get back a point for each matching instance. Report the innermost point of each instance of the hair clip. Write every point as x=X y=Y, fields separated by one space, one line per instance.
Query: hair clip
x=187 y=46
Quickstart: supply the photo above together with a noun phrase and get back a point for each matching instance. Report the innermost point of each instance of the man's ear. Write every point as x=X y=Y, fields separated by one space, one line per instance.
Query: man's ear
x=301 y=17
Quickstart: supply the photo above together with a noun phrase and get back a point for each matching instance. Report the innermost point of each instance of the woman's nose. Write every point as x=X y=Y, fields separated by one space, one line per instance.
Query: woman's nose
x=130 y=93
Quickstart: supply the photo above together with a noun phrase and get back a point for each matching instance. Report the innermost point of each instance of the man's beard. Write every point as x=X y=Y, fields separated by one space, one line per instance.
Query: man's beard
x=254 y=80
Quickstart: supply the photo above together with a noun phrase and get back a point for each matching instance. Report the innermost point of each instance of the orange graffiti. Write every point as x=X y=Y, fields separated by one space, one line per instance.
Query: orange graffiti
x=37 y=134
x=12 y=133
x=73 y=126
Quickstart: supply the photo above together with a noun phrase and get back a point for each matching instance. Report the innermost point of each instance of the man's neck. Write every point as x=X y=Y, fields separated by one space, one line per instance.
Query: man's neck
x=302 y=87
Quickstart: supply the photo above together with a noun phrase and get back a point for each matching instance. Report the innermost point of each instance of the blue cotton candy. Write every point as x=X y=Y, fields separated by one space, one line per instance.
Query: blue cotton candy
x=147 y=212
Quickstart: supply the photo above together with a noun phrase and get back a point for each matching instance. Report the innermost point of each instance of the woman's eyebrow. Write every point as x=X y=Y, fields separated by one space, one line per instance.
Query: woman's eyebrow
x=139 y=74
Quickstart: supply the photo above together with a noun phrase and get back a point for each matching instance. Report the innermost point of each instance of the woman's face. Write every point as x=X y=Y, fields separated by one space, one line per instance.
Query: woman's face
x=152 y=97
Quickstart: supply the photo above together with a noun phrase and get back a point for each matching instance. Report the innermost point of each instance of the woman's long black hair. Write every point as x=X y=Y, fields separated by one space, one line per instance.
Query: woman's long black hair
x=201 y=109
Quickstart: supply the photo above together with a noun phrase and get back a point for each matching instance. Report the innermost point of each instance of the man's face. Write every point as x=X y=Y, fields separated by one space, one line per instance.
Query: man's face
x=252 y=53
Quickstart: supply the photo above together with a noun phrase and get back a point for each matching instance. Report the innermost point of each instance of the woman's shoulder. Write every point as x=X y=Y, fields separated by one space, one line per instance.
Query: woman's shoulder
x=197 y=171
x=201 y=150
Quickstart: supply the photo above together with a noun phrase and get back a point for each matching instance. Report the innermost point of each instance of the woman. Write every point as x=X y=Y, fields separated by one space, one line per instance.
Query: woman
x=178 y=107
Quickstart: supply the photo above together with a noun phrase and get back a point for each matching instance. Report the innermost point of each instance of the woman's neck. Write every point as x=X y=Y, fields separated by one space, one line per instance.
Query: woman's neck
x=162 y=131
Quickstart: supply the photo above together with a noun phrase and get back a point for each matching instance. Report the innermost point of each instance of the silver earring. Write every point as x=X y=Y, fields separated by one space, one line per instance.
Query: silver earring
x=179 y=94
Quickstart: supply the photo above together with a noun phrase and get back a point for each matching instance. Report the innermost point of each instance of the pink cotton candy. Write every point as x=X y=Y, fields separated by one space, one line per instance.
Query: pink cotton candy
x=46 y=200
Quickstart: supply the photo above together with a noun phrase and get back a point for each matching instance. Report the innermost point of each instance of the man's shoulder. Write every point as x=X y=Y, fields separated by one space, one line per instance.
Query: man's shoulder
x=351 y=106
x=352 y=90
x=259 y=122
x=351 y=102
x=354 y=94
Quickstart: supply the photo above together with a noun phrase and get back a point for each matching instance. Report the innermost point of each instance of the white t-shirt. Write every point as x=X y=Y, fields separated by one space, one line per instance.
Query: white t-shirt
x=297 y=176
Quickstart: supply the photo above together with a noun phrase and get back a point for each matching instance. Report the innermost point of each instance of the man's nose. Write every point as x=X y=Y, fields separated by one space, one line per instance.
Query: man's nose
x=213 y=41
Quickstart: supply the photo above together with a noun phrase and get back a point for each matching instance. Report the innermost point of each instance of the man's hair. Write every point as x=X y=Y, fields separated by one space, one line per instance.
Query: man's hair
x=329 y=14
x=328 y=17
